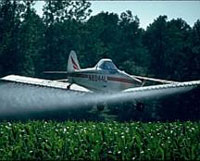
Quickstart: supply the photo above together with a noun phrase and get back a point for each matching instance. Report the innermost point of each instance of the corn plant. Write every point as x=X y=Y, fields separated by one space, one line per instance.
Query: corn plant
x=49 y=140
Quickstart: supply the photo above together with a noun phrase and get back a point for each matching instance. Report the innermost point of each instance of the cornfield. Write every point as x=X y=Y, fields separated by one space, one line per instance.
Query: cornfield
x=49 y=140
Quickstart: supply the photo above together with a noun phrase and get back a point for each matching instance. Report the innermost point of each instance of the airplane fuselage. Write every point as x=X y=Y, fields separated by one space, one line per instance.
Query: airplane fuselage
x=102 y=80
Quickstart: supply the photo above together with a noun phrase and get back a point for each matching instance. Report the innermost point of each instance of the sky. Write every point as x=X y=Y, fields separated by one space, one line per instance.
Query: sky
x=146 y=11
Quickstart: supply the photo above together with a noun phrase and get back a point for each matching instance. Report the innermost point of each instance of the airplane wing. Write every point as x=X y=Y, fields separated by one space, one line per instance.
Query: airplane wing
x=131 y=94
x=59 y=84
x=153 y=79
x=25 y=97
x=148 y=92
x=163 y=90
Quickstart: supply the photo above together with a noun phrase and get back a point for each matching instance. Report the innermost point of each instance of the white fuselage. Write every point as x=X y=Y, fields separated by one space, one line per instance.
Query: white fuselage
x=103 y=80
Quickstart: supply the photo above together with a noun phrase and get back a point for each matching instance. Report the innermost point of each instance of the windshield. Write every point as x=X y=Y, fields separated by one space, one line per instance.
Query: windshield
x=107 y=65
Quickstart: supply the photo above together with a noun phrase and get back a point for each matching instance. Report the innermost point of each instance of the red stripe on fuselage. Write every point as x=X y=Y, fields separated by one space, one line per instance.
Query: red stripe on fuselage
x=123 y=80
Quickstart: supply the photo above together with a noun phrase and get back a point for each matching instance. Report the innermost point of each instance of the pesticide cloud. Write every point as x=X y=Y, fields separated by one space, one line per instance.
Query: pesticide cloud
x=19 y=98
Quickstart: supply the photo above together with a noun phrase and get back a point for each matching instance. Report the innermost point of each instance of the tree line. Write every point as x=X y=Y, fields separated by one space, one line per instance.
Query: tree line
x=31 y=44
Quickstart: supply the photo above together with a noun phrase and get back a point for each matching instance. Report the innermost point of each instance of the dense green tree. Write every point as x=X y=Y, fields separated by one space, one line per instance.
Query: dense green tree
x=59 y=41
x=10 y=13
x=102 y=37
x=172 y=42
x=155 y=39
x=178 y=48
x=64 y=21
x=133 y=55
x=30 y=42
x=59 y=11
x=195 y=54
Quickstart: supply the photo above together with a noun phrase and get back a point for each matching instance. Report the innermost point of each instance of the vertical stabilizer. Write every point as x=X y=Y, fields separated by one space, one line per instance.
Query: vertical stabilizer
x=73 y=64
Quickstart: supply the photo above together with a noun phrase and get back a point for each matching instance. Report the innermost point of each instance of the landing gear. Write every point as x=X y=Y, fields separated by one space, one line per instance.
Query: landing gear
x=100 y=106
x=68 y=87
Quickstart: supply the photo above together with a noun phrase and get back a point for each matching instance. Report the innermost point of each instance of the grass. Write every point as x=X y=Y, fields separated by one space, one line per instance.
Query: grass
x=99 y=141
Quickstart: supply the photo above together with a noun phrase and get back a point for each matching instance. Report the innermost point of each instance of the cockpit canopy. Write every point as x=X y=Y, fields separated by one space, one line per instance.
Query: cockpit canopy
x=106 y=64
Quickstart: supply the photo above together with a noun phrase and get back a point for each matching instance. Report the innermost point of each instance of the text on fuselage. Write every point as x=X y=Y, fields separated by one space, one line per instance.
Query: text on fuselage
x=96 y=78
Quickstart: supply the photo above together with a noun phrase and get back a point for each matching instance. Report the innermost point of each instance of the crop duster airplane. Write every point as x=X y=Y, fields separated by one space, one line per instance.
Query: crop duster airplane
x=107 y=78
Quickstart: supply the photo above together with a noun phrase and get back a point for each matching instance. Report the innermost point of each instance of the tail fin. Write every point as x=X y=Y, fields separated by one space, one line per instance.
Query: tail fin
x=73 y=63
